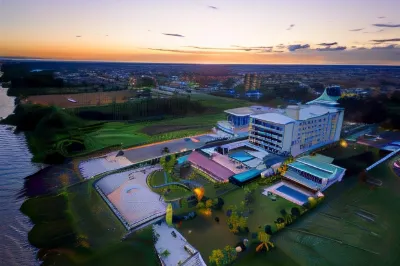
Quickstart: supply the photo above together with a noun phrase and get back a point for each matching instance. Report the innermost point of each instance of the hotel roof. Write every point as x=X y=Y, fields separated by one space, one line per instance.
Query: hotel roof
x=311 y=111
x=210 y=166
x=251 y=110
x=316 y=167
x=274 y=118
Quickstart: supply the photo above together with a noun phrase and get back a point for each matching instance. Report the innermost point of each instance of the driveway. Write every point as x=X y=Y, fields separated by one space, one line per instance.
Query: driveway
x=150 y=151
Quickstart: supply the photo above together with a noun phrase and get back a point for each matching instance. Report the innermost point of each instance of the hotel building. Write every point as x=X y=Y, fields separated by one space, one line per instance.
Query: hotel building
x=238 y=119
x=251 y=82
x=299 y=128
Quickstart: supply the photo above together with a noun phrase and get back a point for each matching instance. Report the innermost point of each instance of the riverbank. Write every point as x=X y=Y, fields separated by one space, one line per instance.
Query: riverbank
x=15 y=165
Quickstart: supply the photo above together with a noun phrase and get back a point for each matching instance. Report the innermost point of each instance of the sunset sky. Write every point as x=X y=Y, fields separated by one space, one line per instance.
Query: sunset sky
x=203 y=31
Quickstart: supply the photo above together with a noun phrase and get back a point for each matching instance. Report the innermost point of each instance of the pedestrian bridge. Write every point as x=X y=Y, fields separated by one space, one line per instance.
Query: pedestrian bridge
x=383 y=159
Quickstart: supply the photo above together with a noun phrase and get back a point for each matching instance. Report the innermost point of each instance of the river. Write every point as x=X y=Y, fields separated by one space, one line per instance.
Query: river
x=15 y=165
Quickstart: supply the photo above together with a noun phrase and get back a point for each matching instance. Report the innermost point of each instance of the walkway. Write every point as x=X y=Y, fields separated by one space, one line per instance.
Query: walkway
x=383 y=159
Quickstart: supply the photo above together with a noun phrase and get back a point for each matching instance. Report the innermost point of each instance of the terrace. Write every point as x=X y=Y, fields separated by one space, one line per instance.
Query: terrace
x=223 y=160
x=180 y=251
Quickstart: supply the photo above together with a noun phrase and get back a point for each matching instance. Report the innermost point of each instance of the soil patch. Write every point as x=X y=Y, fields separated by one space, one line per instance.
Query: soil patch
x=160 y=129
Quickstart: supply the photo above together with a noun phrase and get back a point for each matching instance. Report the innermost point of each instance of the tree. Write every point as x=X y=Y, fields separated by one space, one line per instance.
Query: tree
x=200 y=205
x=264 y=238
x=268 y=229
x=312 y=202
x=165 y=253
x=286 y=216
x=216 y=257
x=282 y=169
x=230 y=255
x=169 y=214
x=280 y=223
x=168 y=162
x=209 y=203
x=236 y=222
x=165 y=150
x=295 y=212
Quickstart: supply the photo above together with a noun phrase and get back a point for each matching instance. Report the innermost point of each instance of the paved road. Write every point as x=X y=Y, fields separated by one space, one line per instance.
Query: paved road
x=147 y=152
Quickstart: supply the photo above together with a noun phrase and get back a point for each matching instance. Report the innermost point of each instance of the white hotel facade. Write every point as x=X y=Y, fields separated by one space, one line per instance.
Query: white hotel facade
x=299 y=128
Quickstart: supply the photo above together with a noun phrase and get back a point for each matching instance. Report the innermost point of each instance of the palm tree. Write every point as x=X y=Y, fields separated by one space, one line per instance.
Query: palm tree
x=265 y=241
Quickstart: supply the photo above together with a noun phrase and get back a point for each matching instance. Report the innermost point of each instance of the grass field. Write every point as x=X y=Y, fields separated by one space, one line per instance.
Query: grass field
x=175 y=192
x=334 y=233
x=82 y=99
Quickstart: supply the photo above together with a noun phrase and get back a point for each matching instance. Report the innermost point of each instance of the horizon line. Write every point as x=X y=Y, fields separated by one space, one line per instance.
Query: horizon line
x=134 y=62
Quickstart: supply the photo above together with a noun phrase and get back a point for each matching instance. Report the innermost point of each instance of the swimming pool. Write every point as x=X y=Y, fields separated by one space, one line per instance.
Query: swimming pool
x=293 y=193
x=241 y=156
x=182 y=159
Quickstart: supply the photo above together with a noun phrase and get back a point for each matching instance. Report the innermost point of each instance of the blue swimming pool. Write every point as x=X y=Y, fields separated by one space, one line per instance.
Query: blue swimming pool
x=241 y=156
x=182 y=159
x=293 y=193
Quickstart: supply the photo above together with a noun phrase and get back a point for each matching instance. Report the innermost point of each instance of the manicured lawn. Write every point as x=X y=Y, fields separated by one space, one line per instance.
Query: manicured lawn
x=265 y=211
x=312 y=240
x=206 y=235
x=92 y=216
x=157 y=178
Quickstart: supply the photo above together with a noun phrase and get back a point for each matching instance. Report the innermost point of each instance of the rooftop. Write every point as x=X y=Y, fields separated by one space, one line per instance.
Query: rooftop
x=245 y=176
x=210 y=166
x=175 y=246
x=251 y=110
x=307 y=112
x=318 y=166
x=274 y=118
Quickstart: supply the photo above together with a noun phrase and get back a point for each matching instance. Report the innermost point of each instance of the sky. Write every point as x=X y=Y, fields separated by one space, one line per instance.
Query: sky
x=203 y=31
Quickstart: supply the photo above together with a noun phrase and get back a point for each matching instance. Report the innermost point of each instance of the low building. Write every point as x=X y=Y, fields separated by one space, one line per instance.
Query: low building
x=208 y=166
x=173 y=249
x=315 y=173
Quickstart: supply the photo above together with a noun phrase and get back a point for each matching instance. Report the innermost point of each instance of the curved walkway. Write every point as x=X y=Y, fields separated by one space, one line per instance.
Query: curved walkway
x=188 y=184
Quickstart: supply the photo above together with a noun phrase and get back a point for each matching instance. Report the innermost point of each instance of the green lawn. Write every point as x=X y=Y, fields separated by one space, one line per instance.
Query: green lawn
x=129 y=135
x=313 y=239
x=175 y=192
x=92 y=216
x=265 y=210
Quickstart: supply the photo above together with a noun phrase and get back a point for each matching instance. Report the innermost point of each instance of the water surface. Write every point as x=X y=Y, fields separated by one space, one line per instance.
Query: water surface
x=15 y=165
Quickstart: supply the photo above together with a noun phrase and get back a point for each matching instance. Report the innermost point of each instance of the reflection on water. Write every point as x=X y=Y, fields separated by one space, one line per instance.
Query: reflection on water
x=15 y=165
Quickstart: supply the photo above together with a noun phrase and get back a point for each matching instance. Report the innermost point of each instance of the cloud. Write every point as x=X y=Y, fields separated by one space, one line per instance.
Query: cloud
x=381 y=17
x=78 y=36
x=171 y=50
x=253 y=47
x=291 y=26
x=360 y=29
x=327 y=43
x=386 y=25
x=391 y=46
x=331 y=49
x=213 y=7
x=279 y=51
x=235 y=48
x=386 y=40
x=374 y=31
x=281 y=46
x=295 y=47
x=173 y=35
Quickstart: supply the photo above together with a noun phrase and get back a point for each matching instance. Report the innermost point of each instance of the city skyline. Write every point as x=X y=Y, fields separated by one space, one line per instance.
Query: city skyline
x=198 y=31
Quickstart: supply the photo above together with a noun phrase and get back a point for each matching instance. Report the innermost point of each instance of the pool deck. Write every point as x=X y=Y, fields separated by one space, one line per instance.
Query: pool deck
x=273 y=189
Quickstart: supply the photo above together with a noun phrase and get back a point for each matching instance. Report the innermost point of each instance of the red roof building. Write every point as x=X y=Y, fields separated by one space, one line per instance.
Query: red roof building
x=211 y=168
